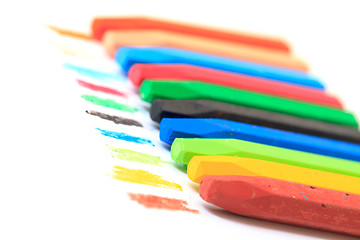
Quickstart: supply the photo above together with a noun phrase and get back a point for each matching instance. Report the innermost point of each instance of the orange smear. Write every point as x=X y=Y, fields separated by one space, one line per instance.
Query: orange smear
x=70 y=33
x=142 y=177
x=151 y=201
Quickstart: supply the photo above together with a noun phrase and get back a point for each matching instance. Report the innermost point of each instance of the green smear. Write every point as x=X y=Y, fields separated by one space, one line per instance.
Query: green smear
x=129 y=155
x=109 y=103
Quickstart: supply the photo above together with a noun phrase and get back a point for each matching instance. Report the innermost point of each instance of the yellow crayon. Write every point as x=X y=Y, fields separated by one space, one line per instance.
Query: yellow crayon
x=201 y=166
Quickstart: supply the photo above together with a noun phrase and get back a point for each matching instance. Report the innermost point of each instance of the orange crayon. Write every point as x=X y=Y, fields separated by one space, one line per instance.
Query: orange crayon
x=113 y=39
x=101 y=25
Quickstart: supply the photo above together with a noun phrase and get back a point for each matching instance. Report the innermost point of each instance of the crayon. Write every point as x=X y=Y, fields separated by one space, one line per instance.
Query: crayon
x=127 y=56
x=154 y=89
x=114 y=39
x=284 y=202
x=139 y=72
x=101 y=25
x=171 y=128
x=183 y=149
x=203 y=166
x=165 y=108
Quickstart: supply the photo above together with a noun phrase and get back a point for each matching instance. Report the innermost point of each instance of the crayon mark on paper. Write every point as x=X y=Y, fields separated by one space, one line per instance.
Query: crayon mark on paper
x=125 y=137
x=115 y=119
x=142 y=177
x=101 y=88
x=70 y=33
x=109 y=103
x=94 y=73
x=151 y=201
x=129 y=155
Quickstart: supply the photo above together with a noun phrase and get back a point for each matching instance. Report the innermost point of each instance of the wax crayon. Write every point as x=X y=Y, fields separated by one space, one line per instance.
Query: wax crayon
x=114 y=39
x=127 y=56
x=183 y=149
x=171 y=128
x=284 y=202
x=180 y=72
x=202 y=166
x=101 y=25
x=165 y=108
x=154 y=89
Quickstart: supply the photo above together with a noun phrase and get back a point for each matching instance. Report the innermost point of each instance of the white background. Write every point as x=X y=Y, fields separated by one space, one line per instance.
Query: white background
x=45 y=194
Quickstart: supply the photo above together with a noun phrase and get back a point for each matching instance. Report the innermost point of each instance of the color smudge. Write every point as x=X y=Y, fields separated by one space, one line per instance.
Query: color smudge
x=151 y=201
x=142 y=177
x=70 y=33
x=129 y=155
x=125 y=137
x=304 y=196
x=101 y=88
x=109 y=103
x=93 y=73
x=115 y=119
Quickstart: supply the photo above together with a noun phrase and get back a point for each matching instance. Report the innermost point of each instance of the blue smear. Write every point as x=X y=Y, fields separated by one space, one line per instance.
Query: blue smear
x=94 y=73
x=171 y=128
x=127 y=56
x=125 y=137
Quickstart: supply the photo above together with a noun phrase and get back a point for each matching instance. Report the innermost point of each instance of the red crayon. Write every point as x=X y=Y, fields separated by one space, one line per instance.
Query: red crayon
x=101 y=25
x=139 y=72
x=285 y=202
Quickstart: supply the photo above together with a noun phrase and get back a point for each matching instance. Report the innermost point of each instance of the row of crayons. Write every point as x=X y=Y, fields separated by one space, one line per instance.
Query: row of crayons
x=259 y=133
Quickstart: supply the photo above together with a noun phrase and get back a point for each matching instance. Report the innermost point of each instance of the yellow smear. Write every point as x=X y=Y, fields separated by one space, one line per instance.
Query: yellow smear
x=142 y=177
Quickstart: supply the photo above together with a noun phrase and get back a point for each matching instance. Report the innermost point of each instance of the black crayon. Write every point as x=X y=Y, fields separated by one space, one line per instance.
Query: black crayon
x=163 y=108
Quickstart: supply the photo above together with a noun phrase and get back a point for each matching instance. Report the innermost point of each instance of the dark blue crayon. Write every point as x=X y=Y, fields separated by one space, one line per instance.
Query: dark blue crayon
x=127 y=56
x=171 y=128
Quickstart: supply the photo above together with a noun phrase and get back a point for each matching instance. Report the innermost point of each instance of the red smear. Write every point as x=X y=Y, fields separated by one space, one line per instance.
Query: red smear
x=151 y=201
x=101 y=89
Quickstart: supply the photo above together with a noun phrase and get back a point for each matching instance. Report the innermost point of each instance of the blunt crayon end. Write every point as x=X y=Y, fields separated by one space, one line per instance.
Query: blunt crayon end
x=135 y=75
x=165 y=131
x=177 y=153
x=194 y=170
x=156 y=110
x=206 y=189
x=172 y=128
x=123 y=58
x=241 y=186
x=146 y=91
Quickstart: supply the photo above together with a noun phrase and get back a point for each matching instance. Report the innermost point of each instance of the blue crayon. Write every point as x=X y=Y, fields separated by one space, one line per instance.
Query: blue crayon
x=171 y=128
x=127 y=56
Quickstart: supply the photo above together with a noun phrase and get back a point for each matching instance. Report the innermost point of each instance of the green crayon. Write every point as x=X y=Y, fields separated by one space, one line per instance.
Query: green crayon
x=183 y=149
x=152 y=89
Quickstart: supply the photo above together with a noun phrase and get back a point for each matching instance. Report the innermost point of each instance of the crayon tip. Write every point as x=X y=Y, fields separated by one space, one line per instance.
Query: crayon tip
x=176 y=151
